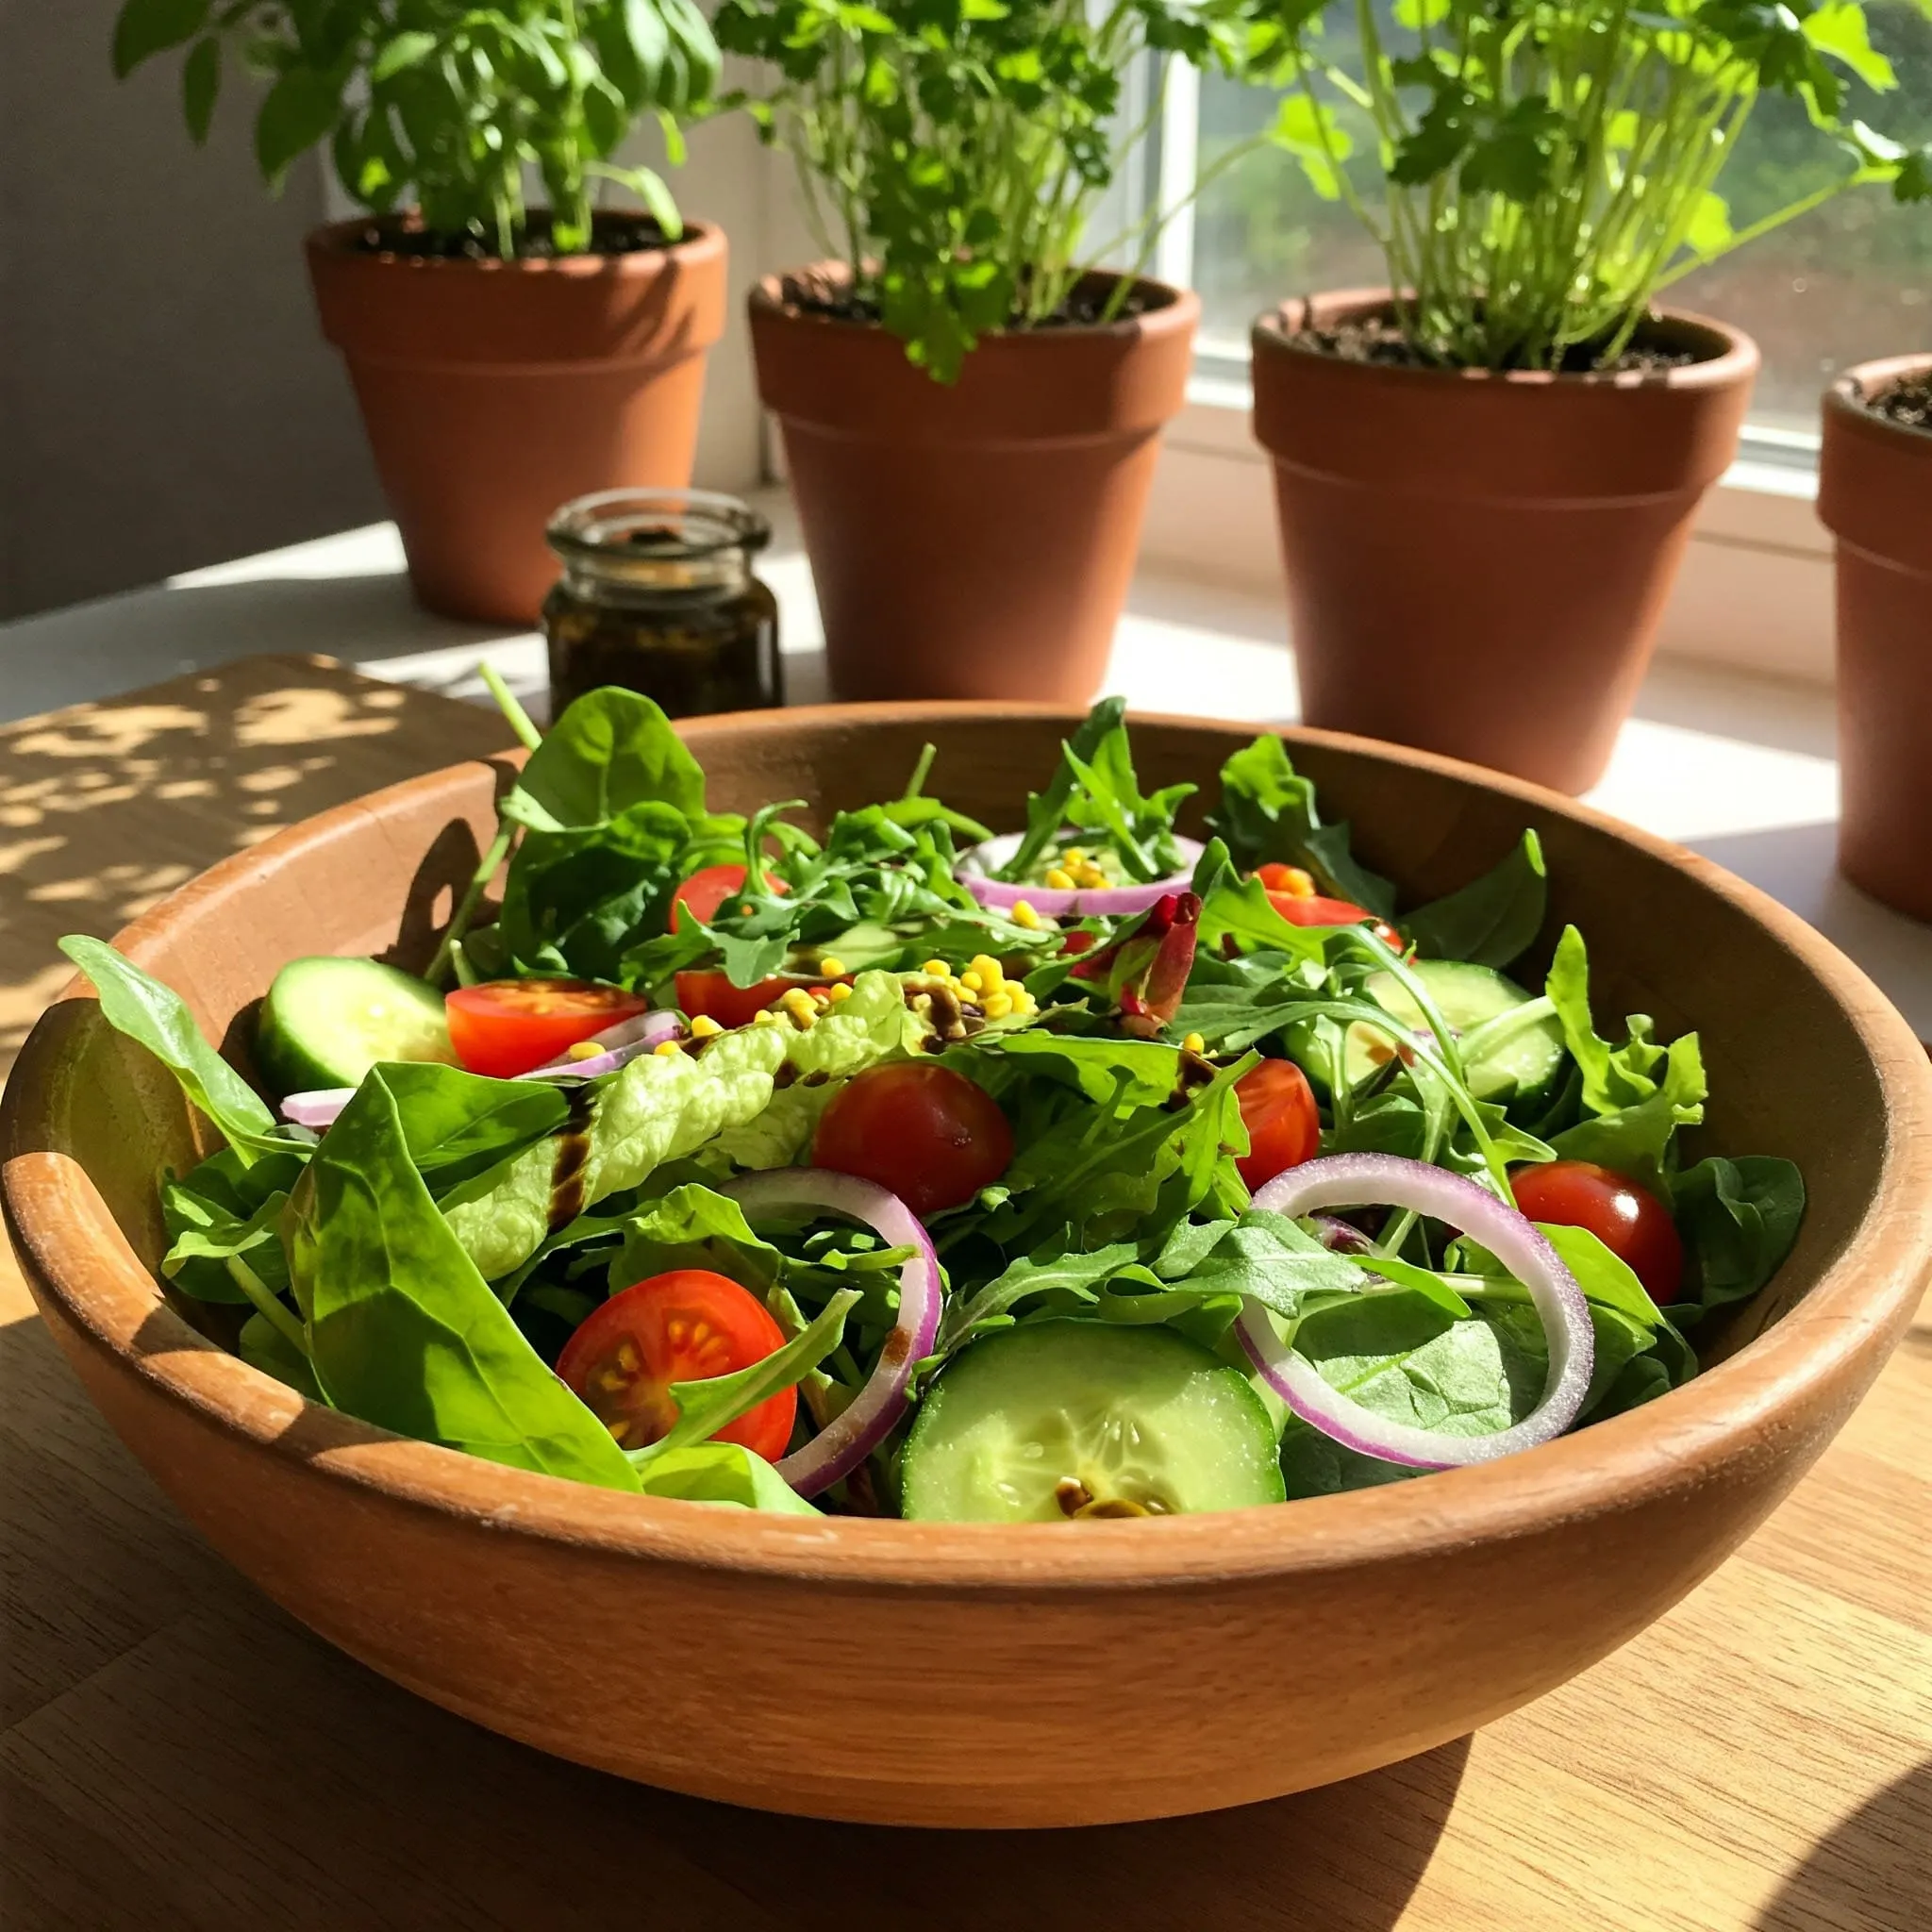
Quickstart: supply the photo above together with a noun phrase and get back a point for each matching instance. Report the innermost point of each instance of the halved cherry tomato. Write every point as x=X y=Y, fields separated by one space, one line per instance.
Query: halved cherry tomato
x=920 y=1131
x=504 y=1027
x=685 y=1326
x=1290 y=879
x=706 y=891
x=1630 y=1221
x=1278 y=1110
x=712 y=994
x=1305 y=909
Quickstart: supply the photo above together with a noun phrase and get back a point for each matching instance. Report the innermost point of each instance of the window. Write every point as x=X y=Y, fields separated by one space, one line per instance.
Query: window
x=1850 y=281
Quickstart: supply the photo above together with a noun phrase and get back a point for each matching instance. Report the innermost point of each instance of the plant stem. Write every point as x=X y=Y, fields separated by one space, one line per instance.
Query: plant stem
x=466 y=905
x=270 y=1306
x=506 y=702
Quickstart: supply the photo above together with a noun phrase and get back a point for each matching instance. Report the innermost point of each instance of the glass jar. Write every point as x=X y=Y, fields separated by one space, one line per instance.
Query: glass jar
x=657 y=595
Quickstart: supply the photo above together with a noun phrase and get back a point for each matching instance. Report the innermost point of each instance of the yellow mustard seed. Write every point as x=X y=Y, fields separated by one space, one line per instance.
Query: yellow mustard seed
x=831 y=968
x=704 y=1026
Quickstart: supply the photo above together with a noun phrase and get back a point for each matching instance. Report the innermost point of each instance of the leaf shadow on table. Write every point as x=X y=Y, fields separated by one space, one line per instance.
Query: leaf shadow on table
x=181 y=1755
x=106 y=808
x=1873 y=1870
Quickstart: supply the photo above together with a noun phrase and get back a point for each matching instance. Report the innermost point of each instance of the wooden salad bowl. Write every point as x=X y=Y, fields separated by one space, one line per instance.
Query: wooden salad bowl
x=936 y=1673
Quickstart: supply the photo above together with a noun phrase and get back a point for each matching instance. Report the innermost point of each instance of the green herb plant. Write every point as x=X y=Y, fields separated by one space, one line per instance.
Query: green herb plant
x=951 y=152
x=442 y=105
x=1550 y=167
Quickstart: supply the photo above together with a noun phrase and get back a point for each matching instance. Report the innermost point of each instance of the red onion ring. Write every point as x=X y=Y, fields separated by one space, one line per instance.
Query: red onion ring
x=1355 y=1181
x=852 y=1435
x=976 y=869
x=318 y=1107
x=623 y=1043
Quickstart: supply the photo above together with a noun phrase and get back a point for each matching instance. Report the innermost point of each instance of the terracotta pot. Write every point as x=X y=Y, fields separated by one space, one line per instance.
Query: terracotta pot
x=1477 y=563
x=494 y=392
x=972 y=540
x=968 y=1673
x=1874 y=493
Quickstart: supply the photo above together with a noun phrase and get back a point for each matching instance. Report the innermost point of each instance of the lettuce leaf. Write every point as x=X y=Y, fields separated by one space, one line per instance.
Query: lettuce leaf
x=723 y=1473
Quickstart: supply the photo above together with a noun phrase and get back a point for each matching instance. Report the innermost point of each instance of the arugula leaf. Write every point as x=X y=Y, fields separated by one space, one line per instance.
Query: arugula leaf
x=1065 y=1282
x=611 y=750
x=721 y=1472
x=1739 y=1219
x=1491 y=920
x=1267 y=813
x=1612 y=1077
x=1241 y=910
x=1109 y=1069
x=137 y=1004
x=1636 y=1139
x=403 y=1331
x=1107 y=799
x=704 y=1408
x=1046 y=811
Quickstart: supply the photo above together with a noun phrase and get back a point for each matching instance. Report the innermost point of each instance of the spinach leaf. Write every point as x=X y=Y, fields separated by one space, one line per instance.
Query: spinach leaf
x=1739 y=1220
x=223 y=1209
x=704 y=1408
x=457 y=1124
x=611 y=750
x=1492 y=920
x=403 y=1331
x=263 y=1346
x=1046 y=811
x=1267 y=812
x=1636 y=1139
x=137 y=1004
x=1267 y=1257
x=721 y=1472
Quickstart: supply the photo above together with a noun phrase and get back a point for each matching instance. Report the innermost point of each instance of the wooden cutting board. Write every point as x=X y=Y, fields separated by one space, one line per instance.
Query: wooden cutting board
x=178 y=1754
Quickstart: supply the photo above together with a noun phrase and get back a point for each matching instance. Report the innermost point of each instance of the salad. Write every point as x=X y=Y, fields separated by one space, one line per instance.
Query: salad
x=1088 y=1171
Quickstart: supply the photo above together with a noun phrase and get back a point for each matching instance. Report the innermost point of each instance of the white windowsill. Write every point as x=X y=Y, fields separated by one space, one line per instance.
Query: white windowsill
x=1738 y=766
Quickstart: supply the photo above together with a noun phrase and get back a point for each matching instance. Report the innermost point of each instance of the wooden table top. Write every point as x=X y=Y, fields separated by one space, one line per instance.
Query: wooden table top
x=179 y=1754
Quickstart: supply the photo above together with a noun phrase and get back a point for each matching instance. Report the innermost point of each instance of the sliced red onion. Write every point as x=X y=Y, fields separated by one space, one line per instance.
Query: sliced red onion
x=852 y=1435
x=1357 y=1180
x=976 y=867
x=318 y=1107
x=622 y=1044
x=1338 y=1236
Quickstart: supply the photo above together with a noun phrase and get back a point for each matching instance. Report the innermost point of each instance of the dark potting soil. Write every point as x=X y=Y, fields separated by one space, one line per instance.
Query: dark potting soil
x=1909 y=401
x=1379 y=338
x=623 y=233
x=1085 y=307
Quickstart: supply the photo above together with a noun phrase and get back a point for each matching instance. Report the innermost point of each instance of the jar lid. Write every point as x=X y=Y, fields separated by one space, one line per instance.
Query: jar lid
x=653 y=526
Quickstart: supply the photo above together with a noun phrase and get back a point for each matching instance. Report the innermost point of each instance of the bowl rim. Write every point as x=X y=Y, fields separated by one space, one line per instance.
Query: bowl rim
x=1827 y=1345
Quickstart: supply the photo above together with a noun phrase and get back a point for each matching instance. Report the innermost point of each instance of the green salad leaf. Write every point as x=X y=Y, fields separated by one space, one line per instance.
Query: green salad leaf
x=403 y=1331
x=1046 y=811
x=1739 y=1220
x=611 y=751
x=692 y=1227
x=1491 y=920
x=721 y=1472
x=1267 y=815
x=137 y=1004
x=223 y=1209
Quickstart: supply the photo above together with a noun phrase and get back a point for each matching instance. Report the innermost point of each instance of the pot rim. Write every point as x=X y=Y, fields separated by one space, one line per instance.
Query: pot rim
x=75 y=1255
x=1736 y=358
x=1181 y=310
x=1850 y=394
x=331 y=241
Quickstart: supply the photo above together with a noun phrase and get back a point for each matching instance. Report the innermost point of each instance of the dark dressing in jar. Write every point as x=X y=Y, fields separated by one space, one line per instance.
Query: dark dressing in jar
x=657 y=595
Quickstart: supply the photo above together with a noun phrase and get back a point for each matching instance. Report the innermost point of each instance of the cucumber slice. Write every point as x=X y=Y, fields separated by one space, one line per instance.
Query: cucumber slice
x=1079 y=1419
x=1511 y=1063
x=327 y=1021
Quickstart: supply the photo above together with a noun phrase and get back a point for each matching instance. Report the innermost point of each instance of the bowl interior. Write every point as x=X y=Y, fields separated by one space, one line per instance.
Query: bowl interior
x=1668 y=935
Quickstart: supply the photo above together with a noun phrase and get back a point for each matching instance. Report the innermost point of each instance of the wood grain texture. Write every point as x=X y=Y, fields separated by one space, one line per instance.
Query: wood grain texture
x=178 y=1752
